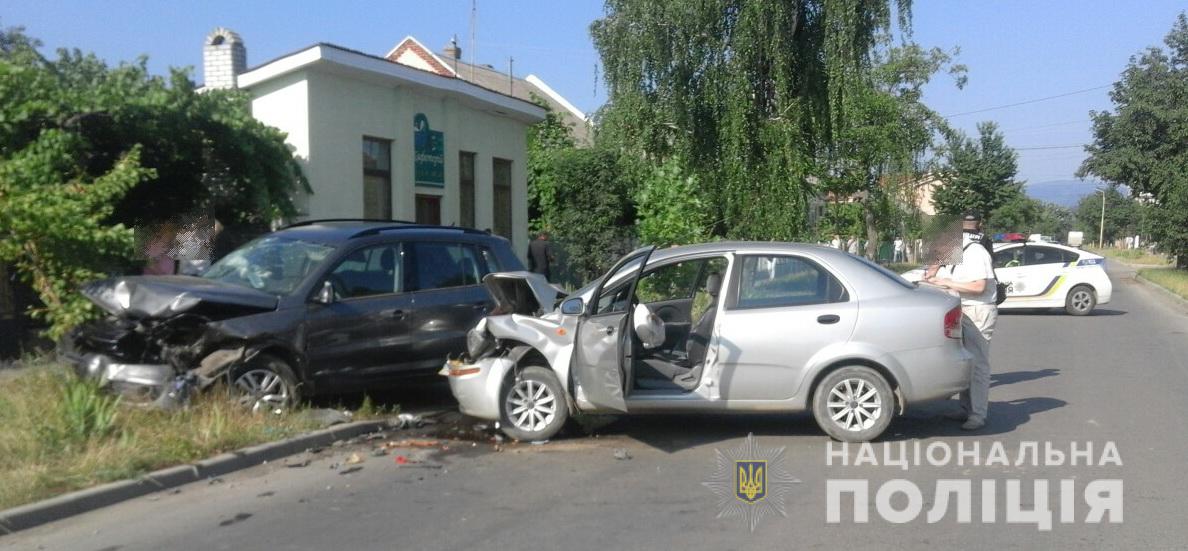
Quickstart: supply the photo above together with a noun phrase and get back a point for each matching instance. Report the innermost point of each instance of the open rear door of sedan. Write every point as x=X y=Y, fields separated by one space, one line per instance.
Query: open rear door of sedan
x=600 y=365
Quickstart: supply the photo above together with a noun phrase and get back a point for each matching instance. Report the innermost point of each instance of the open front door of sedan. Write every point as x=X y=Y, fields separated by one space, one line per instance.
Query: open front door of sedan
x=601 y=367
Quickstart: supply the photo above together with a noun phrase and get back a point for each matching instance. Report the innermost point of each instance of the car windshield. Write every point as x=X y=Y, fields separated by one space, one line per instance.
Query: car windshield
x=271 y=264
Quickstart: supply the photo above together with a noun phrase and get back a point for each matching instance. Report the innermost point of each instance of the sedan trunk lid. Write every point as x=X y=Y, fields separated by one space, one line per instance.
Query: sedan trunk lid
x=524 y=293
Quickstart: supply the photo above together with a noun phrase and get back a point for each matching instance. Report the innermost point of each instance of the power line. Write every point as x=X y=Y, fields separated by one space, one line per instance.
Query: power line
x=997 y=107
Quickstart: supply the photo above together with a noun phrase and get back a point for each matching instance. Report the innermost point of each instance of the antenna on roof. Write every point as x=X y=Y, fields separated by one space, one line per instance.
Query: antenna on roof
x=511 y=79
x=473 y=25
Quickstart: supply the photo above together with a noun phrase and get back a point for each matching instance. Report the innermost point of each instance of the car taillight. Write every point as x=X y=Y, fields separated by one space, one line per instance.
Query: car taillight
x=953 y=323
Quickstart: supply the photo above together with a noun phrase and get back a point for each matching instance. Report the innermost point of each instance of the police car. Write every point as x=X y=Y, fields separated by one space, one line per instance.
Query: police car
x=1046 y=275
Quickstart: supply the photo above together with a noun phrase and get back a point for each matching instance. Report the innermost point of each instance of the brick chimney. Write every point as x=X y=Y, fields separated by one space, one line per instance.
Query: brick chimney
x=452 y=51
x=223 y=58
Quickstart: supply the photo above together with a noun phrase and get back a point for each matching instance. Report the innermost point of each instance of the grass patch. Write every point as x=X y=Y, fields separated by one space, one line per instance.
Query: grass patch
x=1132 y=256
x=59 y=433
x=1172 y=279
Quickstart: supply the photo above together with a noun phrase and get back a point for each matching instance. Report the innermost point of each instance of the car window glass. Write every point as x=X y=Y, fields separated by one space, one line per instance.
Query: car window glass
x=1008 y=258
x=768 y=281
x=490 y=263
x=271 y=264
x=438 y=265
x=614 y=296
x=368 y=271
x=1042 y=255
x=669 y=282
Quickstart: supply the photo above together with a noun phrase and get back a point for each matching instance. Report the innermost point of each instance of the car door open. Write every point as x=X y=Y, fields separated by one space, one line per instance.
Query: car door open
x=600 y=367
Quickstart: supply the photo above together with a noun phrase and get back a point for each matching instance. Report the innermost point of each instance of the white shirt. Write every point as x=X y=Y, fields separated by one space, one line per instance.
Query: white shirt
x=976 y=264
x=898 y=244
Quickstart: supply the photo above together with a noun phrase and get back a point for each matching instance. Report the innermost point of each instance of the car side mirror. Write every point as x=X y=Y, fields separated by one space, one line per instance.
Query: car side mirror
x=325 y=295
x=573 y=307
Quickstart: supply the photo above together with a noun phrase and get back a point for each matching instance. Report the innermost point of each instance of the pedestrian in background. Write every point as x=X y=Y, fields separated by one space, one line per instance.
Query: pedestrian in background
x=836 y=243
x=973 y=280
x=540 y=256
x=898 y=247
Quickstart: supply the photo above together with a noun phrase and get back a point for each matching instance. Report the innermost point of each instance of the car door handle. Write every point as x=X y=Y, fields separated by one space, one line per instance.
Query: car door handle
x=828 y=319
x=479 y=306
x=610 y=330
x=399 y=314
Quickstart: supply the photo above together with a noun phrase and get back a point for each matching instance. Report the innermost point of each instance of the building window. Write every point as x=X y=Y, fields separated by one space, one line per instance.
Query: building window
x=428 y=209
x=466 y=189
x=503 y=197
x=377 y=178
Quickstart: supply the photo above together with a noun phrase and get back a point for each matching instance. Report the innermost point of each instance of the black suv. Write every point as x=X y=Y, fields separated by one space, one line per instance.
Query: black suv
x=317 y=307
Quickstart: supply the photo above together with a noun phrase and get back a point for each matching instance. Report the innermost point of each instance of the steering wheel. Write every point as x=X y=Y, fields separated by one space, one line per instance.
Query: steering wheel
x=1012 y=264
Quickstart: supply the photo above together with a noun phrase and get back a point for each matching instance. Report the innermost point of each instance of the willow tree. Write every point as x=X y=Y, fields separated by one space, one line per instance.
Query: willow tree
x=747 y=92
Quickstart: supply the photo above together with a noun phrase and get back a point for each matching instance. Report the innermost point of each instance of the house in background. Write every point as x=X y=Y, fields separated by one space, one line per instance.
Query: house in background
x=380 y=139
x=411 y=52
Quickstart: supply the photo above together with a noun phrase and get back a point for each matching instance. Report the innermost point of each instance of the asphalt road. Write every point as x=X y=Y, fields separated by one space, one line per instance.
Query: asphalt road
x=1120 y=376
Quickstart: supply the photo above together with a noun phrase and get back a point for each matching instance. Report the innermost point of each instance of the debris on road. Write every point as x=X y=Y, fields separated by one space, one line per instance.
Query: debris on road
x=621 y=454
x=354 y=459
x=326 y=417
x=408 y=420
x=266 y=494
x=297 y=465
x=354 y=469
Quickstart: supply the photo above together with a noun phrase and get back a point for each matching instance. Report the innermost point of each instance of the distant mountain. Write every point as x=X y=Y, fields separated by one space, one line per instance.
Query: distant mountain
x=1065 y=193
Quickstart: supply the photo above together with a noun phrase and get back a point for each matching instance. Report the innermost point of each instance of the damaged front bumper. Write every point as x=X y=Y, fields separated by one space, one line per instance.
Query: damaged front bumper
x=107 y=370
x=476 y=385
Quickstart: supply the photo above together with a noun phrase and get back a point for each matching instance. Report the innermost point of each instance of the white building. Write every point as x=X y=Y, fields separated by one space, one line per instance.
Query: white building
x=379 y=139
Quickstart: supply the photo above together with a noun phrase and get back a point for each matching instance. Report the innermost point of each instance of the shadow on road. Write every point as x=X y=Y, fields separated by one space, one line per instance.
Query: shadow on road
x=999 y=379
x=674 y=433
x=927 y=421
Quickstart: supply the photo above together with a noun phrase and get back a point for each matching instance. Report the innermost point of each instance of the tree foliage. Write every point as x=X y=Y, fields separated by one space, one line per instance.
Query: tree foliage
x=978 y=174
x=88 y=151
x=668 y=206
x=1122 y=215
x=589 y=210
x=1143 y=142
x=747 y=92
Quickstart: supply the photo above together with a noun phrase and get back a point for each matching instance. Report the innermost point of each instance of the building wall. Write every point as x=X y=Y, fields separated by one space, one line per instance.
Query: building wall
x=327 y=115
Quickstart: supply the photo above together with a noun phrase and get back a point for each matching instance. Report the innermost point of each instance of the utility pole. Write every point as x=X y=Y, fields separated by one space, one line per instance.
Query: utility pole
x=1101 y=227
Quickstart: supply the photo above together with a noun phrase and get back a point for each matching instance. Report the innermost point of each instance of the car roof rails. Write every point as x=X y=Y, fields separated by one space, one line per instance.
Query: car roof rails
x=412 y=226
x=365 y=220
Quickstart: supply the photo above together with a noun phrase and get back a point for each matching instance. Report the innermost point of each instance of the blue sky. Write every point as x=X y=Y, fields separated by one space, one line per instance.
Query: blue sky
x=1017 y=50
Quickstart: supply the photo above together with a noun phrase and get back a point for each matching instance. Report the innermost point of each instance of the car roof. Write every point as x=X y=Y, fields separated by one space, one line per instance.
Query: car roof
x=745 y=247
x=998 y=246
x=339 y=231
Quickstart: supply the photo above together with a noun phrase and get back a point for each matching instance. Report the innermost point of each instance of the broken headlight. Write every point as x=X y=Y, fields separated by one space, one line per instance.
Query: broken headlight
x=479 y=341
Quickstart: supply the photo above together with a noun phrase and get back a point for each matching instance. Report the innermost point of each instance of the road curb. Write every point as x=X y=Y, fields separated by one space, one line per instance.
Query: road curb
x=81 y=501
x=1151 y=284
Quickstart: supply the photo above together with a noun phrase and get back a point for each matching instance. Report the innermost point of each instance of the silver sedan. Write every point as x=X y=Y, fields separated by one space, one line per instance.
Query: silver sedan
x=730 y=327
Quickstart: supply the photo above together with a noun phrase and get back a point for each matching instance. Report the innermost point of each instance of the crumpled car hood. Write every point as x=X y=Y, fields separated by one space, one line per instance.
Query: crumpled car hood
x=524 y=293
x=143 y=297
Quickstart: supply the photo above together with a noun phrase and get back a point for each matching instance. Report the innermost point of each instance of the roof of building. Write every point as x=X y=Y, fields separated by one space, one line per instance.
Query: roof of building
x=410 y=51
x=337 y=59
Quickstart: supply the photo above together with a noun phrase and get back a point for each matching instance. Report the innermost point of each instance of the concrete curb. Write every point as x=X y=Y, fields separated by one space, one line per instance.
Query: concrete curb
x=1166 y=292
x=73 y=503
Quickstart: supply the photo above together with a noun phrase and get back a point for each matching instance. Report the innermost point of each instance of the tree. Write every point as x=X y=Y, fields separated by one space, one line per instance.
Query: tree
x=886 y=130
x=978 y=175
x=1018 y=214
x=545 y=139
x=747 y=93
x=1143 y=142
x=88 y=152
x=590 y=212
x=669 y=208
x=1122 y=215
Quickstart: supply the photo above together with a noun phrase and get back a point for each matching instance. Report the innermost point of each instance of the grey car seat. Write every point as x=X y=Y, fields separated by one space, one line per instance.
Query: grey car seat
x=684 y=373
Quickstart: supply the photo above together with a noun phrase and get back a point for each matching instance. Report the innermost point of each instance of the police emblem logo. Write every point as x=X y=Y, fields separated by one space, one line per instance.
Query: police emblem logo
x=751 y=482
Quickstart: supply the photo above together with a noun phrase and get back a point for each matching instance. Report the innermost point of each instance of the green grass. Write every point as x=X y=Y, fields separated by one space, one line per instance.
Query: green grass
x=1132 y=256
x=59 y=434
x=1171 y=279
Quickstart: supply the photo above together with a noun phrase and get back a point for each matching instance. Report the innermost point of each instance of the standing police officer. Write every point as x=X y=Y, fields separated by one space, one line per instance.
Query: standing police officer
x=973 y=280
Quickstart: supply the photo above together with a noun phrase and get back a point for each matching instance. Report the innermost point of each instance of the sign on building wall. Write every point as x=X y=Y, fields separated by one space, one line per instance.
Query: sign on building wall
x=429 y=152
